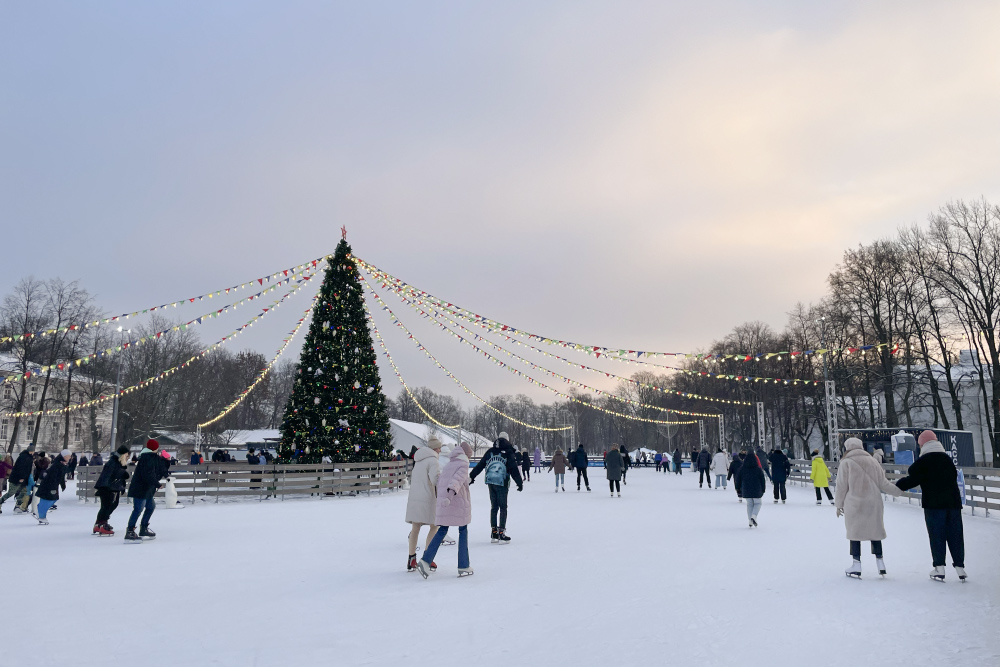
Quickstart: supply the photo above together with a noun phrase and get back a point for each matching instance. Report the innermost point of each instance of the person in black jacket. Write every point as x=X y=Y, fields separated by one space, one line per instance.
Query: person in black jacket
x=704 y=467
x=626 y=463
x=581 y=463
x=146 y=480
x=734 y=469
x=500 y=463
x=750 y=480
x=96 y=460
x=780 y=468
x=526 y=465
x=109 y=488
x=677 y=461
x=71 y=464
x=18 y=480
x=51 y=479
x=936 y=475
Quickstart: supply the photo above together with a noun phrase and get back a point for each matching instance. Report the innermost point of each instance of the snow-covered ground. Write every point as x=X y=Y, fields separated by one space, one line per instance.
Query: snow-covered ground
x=668 y=574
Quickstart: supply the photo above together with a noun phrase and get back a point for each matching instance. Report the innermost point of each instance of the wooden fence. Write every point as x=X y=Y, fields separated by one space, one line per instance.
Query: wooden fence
x=240 y=480
x=982 y=485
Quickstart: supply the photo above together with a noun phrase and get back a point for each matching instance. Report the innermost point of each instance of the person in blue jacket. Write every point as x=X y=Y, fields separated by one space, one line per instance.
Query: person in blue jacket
x=146 y=480
x=750 y=480
x=580 y=462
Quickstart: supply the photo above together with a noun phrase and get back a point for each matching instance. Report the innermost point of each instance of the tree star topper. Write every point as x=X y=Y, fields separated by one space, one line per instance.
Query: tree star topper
x=343 y=232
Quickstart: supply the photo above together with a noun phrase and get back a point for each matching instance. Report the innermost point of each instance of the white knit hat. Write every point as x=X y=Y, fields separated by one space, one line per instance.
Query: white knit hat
x=504 y=436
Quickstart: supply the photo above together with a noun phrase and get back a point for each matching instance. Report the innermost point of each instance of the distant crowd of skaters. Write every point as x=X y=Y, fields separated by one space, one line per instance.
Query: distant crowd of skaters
x=440 y=498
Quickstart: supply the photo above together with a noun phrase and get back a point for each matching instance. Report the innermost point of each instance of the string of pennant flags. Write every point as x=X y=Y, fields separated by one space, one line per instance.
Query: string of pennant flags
x=399 y=376
x=521 y=374
x=164 y=374
x=299 y=278
x=276 y=277
x=434 y=315
x=391 y=282
x=264 y=371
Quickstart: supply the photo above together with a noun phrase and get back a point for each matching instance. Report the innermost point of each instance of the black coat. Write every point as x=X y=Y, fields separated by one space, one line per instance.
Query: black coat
x=113 y=477
x=53 y=477
x=750 y=478
x=22 y=468
x=96 y=460
x=704 y=460
x=677 y=458
x=937 y=477
x=147 y=476
x=503 y=448
x=780 y=466
x=525 y=460
x=764 y=461
x=734 y=467
x=580 y=458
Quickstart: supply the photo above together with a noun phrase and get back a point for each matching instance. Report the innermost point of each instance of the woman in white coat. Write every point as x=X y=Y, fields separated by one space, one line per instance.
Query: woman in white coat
x=720 y=466
x=422 y=501
x=860 y=484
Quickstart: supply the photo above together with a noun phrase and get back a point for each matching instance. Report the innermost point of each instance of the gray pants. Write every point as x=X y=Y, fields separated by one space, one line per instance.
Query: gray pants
x=753 y=507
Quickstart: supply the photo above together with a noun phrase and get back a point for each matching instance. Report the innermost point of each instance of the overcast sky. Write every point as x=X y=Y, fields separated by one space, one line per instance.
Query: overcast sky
x=636 y=174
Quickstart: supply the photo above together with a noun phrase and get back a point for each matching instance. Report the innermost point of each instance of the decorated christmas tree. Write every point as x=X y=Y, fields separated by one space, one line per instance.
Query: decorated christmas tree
x=337 y=407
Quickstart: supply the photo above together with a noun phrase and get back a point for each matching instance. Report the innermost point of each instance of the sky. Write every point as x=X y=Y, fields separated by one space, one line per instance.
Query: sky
x=645 y=175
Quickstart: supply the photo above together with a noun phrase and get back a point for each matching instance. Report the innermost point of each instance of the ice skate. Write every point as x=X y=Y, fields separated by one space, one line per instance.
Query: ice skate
x=448 y=543
x=832 y=503
x=146 y=534
x=103 y=530
x=131 y=537
x=465 y=572
x=881 y=566
x=502 y=536
x=423 y=569
x=433 y=566
x=854 y=571
x=937 y=574
x=782 y=501
x=619 y=495
x=557 y=489
x=612 y=494
x=411 y=563
x=18 y=510
x=819 y=502
x=753 y=522
x=564 y=489
x=588 y=488
x=960 y=571
x=775 y=501
x=494 y=536
x=43 y=522
x=750 y=523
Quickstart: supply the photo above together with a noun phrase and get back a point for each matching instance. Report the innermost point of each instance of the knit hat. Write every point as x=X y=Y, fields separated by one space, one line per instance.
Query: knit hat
x=30 y=448
x=165 y=454
x=504 y=436
x=467 y=449
x=433 y=442
x=925 y=437
x=152 y=445
x=122 y=450
x=66 y=453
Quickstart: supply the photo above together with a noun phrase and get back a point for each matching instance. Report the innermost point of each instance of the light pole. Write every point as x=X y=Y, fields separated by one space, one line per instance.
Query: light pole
x=118 y=384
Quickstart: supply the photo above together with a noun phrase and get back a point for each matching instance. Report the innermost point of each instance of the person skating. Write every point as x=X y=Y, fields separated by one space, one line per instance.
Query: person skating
x=525 y=465
x=453 y=508
x=751 y=482
x=109 y=488
x=581 y=463
x=720 y=466
x=936 y=475
x=6 y=465
x=422 y=499
x=96 y=460
x=614 y=464
x=879 y=455
x=734 y=468
x=145 y=482
x=500 y=464
x=558 y=466
x=704 y=461
x=657 y=458
x=71 y=464
x=53 y=477
x=17 y=481
x=820 y=477
x=626 y=463
x=780 y=468
x=678 y=460
x=538 y=459
x=860 y=484
x=30 y=502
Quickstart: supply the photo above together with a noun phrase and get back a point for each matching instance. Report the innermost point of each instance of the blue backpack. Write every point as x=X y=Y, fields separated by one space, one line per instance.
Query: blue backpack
x=496 y=470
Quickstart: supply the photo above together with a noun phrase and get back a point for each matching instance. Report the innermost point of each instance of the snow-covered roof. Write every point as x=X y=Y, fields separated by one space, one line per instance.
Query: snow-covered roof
x=446 y=436
x=255 y=437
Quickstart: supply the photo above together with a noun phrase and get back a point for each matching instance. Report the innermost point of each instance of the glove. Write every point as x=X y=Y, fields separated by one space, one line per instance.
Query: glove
x=472 y=481
x=840 y=511
x=520 y=488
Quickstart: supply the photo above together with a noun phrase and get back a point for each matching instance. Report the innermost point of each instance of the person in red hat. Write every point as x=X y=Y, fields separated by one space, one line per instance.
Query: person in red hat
x=145 y=482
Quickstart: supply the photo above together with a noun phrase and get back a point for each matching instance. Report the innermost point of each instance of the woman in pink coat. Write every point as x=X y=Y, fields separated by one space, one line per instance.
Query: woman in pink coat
x=454 y=508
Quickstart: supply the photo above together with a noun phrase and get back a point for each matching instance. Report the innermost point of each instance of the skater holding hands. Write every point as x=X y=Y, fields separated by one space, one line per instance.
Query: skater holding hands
x=421 y=502
x=109 y=488
x=453 y=508
x=558 y=466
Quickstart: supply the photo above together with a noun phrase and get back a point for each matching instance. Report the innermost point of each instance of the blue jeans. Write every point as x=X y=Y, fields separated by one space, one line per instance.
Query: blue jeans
x=43 y=507
x=560 y=479
x=720 y=480
x=753 y=507
x=137 y=506
x=463 y=546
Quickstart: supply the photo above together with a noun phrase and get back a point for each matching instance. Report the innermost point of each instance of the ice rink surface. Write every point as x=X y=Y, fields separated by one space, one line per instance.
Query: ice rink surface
x=666 y=574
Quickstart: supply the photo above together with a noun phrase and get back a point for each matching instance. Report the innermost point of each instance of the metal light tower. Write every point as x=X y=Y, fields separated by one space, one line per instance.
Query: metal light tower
x=760 y=424
x=118 y=384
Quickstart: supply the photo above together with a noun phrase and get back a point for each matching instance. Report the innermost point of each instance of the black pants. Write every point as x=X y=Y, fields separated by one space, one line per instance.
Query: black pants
x=624 y=473
x=677 y=469
x=581 y=471
x=498 y=503
x=856 y=549
x=779 y=487
x=702 y=474
x=945 y=527
x=526 y=473
x=109 y=503
x=613 y=484
x=828 y=494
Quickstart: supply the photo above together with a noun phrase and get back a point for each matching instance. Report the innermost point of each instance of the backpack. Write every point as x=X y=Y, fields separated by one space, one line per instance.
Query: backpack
x=496 y=470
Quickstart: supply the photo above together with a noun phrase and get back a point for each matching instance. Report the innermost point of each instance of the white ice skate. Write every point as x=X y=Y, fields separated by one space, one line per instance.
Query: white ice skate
x=43 y=522
x=619 y=495
x=819 y=502
x=753 y=522
x=881 y=566
x=854 y=571
x=465 y=572
x=937 y=574
x=775 y=501
x=423 y=568
x=960 y=571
